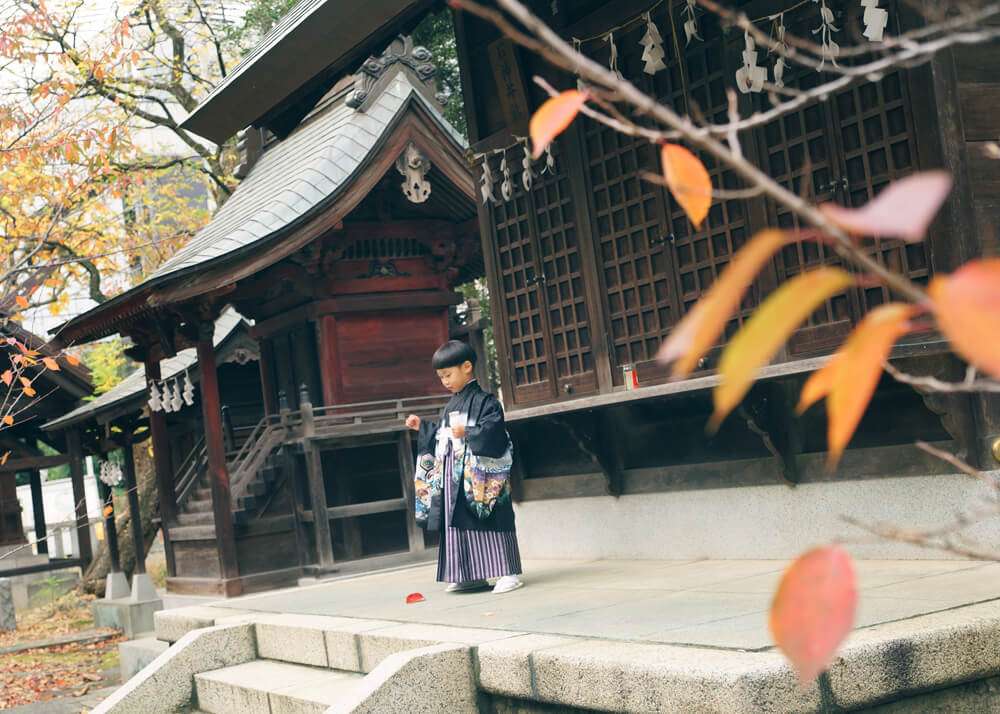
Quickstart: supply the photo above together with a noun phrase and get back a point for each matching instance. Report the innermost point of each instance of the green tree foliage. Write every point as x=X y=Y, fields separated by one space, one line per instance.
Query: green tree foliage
x=107 y=364
x=436 y=32
x=260 y=17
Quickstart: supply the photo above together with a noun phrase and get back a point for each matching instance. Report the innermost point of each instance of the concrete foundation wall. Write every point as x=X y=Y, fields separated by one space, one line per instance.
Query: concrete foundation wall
x=755 y=522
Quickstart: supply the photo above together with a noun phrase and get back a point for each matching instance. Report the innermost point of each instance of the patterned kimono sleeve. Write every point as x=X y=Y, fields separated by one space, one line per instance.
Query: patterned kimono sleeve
x=488 y=435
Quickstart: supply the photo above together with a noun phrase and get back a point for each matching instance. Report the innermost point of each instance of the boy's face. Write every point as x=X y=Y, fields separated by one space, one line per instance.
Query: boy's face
x=454 y=378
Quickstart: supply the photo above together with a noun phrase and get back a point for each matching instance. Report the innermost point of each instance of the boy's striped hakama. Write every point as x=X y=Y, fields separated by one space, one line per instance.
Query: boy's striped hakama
x=464 y=555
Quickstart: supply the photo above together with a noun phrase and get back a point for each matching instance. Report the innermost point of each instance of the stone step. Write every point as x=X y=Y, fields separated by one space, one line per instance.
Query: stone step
x=195 y=519
x=198 y=505
x=265 y=686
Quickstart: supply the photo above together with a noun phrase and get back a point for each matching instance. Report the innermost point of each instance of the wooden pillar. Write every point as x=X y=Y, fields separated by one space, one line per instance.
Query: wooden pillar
x=38 y=507
x=132 y=491
x=163 y=466
x=407 y=468
x=317 y=487
x=110 y=529
x=86 y=553
x=218 y=472
x=266 y=365
x=329 y=360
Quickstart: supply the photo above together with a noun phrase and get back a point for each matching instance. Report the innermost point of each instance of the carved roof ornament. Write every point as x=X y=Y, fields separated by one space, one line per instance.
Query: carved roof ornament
x=414 y=167
x=400 y=51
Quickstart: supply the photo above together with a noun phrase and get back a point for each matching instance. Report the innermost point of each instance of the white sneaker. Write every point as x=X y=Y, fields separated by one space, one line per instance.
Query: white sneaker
x=506 y=584
x=464 y=587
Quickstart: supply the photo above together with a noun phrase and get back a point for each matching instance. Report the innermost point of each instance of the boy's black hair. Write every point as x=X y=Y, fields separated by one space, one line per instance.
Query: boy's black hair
x=452 y=354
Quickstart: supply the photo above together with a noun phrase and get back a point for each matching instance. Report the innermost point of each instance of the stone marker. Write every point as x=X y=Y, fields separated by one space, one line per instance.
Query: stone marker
x=7 y=619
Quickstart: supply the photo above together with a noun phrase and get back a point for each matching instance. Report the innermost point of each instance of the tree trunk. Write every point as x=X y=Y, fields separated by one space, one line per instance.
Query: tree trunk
x=149 y=506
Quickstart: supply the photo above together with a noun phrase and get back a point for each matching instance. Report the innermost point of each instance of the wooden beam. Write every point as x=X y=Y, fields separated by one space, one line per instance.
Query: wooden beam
x=134 y=510
x=86 y=553
x=38 y=508
x=218 y=473
x=163 y=468
x=317 y=493
x=34 y=462
x=329 y=360
x=407 y=469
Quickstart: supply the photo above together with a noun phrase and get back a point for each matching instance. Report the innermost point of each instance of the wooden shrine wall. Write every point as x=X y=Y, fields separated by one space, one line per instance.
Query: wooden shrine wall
x=593 y=266
x=979 y=99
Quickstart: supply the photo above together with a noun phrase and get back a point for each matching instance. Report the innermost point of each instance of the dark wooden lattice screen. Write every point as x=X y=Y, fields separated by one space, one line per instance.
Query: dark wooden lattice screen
x=565 y=293
x=700 y=255
x=520 y=276
x=628 y=215
x=844 y=150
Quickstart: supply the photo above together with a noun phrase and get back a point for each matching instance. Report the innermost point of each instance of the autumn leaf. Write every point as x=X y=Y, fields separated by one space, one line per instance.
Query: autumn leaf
x=3 y=459
x=767 y=329
x=817 y=386
x=50 y=364
x=29 y=391
x=414 y=597
x=904 y=209
x=553 y=117
x=72 y=359
x=813 y=610
x=7 y=377
x=857 y=371
x=688 y=181
x=8 y=420
x=108 y=511
x=966 y=304
x=701 y=328
x=21 y=301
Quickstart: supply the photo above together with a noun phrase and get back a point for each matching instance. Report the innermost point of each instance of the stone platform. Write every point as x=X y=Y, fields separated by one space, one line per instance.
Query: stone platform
x=623 y=636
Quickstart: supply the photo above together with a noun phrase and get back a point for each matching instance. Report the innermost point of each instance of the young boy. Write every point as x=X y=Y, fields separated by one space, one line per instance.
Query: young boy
x=478 y=541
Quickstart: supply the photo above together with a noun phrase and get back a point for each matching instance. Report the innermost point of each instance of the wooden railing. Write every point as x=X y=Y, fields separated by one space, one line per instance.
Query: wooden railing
x=322 y=422
x=193 y=466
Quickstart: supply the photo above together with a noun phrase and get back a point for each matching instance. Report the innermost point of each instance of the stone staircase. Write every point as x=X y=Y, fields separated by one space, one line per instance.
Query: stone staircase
x=258 y=663
x=266 y=686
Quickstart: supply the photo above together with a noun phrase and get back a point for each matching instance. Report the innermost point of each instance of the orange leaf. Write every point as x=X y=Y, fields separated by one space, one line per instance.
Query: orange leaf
x=767 y=329
x=553 y=117
x=21 y=301
x=50 y=364
x=51 y=283
x=817 y=386
x=857 y=370
x=903 y=210
x=108 y=511
x=25 y=381
x=414 y=597
x=688 y=181
x=967 y=309
x=8 y=420
x=7 y=377
x=72 y=359
x=813 y=610
x=701 y=327
x=3 y=459
x=30 y=391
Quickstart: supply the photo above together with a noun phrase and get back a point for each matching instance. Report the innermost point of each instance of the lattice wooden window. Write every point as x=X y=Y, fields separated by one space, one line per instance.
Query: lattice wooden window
x=370 y=248
x=519 y=276
x=877 y=139
x=564 y=287
x=629 y=231
x=700 y=255
x=844 y=150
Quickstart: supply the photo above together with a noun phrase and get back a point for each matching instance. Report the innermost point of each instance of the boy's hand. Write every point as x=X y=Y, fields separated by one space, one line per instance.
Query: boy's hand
x=413 y=422
x=458 y=432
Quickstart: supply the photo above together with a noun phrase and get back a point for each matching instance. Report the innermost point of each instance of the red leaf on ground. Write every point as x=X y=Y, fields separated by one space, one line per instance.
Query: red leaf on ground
x=414 y=597
x=813 y=610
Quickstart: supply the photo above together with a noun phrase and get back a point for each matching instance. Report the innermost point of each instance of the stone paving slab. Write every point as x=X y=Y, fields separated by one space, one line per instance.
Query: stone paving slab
x=702 y=603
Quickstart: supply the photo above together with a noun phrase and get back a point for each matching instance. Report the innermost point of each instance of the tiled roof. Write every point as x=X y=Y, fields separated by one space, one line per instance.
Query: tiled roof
x=295 y=177
x=134 y=385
